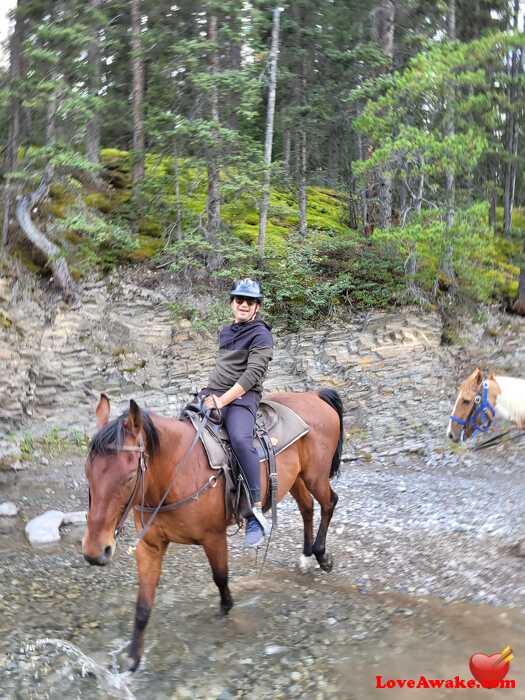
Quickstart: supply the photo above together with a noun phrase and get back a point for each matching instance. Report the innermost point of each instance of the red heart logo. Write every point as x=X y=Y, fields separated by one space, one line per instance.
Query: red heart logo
x=488 y=670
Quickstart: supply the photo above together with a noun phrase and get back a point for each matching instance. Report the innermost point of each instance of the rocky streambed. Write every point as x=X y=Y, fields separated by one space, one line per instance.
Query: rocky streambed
x=426 y=574
x=426 y=537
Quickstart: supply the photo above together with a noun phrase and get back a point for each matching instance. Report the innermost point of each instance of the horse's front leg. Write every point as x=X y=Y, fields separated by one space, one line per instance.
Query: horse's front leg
x=149 y=563
x=216 y=548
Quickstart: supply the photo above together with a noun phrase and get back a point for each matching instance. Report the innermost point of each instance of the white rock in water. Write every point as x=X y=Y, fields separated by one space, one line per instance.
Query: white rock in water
x=271 y=649
x=78 y=517
x=8 y=509
x=45 y=528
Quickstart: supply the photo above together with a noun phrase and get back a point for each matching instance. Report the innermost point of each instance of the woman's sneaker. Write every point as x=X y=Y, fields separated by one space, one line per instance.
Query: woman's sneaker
x=254 y=532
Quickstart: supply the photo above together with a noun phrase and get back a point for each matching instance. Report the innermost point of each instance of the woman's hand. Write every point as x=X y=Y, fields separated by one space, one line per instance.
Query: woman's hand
x=213 y=401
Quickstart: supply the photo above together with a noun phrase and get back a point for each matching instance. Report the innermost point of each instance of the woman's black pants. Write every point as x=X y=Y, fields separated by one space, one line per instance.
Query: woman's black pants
x=239 y=421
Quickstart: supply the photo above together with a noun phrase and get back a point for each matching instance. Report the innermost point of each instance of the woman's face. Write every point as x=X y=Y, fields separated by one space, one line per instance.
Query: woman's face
x=244 y=309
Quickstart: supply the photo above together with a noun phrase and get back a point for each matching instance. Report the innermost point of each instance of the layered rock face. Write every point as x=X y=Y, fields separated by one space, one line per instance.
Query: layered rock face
x=396 y=380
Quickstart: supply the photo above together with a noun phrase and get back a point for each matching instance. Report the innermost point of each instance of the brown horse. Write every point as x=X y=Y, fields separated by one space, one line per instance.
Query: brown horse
x=139 y=446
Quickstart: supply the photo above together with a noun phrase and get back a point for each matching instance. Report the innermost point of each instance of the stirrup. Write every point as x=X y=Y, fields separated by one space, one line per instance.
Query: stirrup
x=261 y=519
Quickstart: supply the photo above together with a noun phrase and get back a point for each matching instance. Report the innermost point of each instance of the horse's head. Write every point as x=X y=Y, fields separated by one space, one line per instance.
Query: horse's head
x=112 y=469
x=473 y=409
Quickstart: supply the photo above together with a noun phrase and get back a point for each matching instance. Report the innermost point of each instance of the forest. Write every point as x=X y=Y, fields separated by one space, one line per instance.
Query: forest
x=349 y=153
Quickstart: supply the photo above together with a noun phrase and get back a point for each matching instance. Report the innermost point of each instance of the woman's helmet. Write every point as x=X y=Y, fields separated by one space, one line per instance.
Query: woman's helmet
x=247 y=288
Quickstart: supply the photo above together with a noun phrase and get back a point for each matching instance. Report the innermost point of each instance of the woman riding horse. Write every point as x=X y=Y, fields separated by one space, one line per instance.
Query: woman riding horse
x=235 y=387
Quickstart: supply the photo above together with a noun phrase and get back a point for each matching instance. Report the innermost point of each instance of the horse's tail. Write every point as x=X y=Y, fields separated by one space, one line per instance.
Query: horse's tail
x=334 y=400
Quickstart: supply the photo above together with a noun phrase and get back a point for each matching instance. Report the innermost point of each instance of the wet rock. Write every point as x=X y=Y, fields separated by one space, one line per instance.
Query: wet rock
x=44 y=529
x=75 y=518
x=272 y=649
x=8 y=509
x=9 y=456
x=519 y=549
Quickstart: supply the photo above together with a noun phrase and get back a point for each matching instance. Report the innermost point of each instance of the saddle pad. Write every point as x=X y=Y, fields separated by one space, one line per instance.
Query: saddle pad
x=283 y=425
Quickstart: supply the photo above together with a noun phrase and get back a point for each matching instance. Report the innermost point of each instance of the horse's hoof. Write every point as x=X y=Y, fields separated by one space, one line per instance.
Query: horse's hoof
x=133 y=663
x=327 y=563
x=305 y=564
x=226 y=607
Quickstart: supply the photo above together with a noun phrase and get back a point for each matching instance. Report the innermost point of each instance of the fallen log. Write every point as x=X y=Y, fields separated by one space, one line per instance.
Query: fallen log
x=47 y=248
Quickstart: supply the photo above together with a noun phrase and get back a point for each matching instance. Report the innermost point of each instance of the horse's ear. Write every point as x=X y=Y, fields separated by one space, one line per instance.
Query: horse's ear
x=102 y=411
x=477 y=375
x=492 y=376
x=134 y=420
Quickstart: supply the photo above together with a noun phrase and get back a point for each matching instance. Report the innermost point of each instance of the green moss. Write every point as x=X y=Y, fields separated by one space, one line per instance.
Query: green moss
x=148 y=226
x=55 y=209
x=113 y=157
x=59 y=199
x=76 y=273
x=117 y=165
x=5 y=321
x=147 y=248
x=99 y=201
x=73 y=237
x=30 y=262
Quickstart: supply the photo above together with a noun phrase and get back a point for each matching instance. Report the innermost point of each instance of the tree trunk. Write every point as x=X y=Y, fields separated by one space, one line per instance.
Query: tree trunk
x=332 y=154
x=519 y=304
x=450 y=181
x=493 y=202
x=178 y=205
x=287 y=149
x=214 y=197
x=13 y=134
x=28 y=202
x=403 y=197
x=383 y=32
x=93 y=125
x=364 y=198
x=511 y=147
x=137 y=95
x=410 y=272
x=302 y=161
x=235 y=63
x=274 y=57
x=447 y=265
x=49 y=250
x=420 y=190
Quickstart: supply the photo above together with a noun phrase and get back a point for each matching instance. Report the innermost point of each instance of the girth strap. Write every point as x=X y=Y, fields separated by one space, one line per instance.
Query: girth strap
x=272 y=473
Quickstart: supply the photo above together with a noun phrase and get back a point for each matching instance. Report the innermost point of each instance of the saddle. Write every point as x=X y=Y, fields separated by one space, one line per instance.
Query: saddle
x=276 y=428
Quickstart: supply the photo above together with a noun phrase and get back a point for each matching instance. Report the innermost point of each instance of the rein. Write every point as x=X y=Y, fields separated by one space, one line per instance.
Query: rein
x=482 y=412
x=139 y=481
x=142 y=467
x=506 y=436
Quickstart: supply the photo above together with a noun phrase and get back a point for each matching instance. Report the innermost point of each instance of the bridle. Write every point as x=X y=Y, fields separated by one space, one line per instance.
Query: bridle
x=138 y=486
x=142 y=467
x=481 y=414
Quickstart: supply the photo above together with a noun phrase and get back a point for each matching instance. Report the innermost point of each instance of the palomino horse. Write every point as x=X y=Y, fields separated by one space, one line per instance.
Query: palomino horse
x=480 y=400
x=141 y=457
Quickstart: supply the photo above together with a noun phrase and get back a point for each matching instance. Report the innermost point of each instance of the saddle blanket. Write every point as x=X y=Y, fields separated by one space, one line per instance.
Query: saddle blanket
x=283 y=426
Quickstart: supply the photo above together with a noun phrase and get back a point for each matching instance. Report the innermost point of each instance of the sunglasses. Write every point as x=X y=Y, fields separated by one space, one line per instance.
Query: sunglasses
x=248 y=300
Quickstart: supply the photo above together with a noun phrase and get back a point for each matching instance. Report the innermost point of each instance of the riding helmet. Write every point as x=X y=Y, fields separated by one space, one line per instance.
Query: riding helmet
x=247 y=288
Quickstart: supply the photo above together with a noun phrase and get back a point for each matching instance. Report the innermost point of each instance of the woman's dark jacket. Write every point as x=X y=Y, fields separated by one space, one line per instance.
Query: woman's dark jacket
x=245 y=350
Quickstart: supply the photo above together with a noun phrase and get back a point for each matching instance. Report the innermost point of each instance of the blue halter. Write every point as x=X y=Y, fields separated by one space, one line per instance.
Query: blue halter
x=482 y=410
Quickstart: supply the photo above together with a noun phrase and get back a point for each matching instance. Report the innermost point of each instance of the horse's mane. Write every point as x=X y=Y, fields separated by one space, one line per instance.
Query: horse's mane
x=110 y=438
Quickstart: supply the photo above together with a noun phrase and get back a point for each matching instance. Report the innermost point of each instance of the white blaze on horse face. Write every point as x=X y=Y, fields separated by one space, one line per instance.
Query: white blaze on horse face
x=450 y=434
